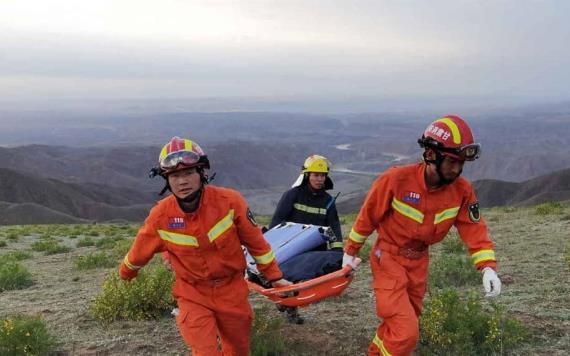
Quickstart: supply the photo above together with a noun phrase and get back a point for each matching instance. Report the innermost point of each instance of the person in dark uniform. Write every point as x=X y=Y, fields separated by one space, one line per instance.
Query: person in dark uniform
x=307 y=202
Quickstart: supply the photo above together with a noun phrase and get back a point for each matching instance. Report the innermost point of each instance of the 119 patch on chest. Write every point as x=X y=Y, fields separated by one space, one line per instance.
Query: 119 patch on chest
x=412 y=197
x=176 y=223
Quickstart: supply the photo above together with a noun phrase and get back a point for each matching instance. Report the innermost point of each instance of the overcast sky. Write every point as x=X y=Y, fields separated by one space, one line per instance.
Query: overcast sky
x=75 y=49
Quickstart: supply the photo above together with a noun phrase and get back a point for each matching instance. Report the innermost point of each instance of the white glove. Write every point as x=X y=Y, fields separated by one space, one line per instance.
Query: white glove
x=281 y=283
x=353 y=261
x=491 y=282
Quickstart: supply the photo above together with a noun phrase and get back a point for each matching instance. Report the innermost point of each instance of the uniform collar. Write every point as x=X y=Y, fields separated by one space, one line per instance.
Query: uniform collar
x=312 y=192
x=200 y=204
x=421 y=171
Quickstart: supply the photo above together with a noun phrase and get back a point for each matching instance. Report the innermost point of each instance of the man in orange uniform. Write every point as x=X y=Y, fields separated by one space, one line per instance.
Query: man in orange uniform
x=412 y=207
x=202 y=229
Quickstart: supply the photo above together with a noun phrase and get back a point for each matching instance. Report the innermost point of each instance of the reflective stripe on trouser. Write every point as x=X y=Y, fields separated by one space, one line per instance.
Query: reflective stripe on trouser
x=216 y=310
x=399 y=287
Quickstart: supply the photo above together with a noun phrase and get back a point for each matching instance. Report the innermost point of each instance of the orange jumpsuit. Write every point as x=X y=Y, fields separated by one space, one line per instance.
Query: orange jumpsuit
x=204 y=248
x=409 y=218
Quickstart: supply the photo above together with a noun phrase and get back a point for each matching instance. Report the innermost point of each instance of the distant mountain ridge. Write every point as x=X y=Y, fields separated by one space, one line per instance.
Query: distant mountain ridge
x=26 y=199
x=550 y=187
x=105 y=161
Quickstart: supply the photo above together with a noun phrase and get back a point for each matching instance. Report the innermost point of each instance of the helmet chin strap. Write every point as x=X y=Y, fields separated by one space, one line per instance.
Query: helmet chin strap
x=191 y=202
x=191 y=198
x=437 y=162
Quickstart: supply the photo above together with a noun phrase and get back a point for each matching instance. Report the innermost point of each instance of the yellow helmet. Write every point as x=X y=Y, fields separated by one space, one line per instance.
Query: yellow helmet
x=317 y=164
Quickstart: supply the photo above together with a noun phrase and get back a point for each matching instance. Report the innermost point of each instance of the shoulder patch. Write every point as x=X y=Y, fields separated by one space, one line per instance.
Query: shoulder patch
x=251 y=218
x=474 y=213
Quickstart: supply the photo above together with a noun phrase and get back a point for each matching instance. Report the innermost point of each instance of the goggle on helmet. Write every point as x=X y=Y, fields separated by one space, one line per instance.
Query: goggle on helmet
x=179 y=154
x=451 y=136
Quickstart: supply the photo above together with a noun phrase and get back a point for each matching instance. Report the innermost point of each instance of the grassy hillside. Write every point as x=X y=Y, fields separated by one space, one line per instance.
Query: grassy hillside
x=533 y=248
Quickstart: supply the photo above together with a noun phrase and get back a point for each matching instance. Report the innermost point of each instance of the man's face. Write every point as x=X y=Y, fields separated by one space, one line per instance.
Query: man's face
x=451 y=168
x=317 y=180
x=184 y=182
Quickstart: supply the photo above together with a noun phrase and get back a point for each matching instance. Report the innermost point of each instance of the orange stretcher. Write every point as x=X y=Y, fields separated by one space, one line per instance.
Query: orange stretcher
x=307 y=292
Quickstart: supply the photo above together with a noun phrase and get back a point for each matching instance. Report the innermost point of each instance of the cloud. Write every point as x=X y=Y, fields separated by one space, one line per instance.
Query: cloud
x=276 y=48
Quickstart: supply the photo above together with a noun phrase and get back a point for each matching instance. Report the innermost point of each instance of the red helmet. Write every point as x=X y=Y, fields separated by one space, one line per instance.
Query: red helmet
x=180 y=153
x=451 y=136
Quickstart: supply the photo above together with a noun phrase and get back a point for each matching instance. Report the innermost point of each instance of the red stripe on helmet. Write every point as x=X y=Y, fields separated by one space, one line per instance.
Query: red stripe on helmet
x=176 y=144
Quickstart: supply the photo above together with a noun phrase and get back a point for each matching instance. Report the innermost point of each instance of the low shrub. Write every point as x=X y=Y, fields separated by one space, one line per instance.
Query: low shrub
x=121 y=248
x=509 y=209
x=451 y=325
x=25 y=335
x=146 y=297
x=107 y=242
x=450 y=270
x=13 y=236
x=46 y=236
x=364 y=252
x=94 y=260
x=49 y=246
x=549 y=208
x=347 y=219
x=453 y=244
x=14 y=276
x=3 y=243
x=266 y=337
x=14 y=256
x=84 y=242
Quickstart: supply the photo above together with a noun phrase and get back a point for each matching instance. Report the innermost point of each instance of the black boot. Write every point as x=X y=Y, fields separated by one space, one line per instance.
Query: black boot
x=293 y=316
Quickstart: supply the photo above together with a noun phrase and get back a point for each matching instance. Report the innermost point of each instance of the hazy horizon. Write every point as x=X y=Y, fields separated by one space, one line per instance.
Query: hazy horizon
x=313 y=56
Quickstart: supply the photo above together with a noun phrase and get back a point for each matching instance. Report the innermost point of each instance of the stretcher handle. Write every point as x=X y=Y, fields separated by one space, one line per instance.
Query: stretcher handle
x=347 y=270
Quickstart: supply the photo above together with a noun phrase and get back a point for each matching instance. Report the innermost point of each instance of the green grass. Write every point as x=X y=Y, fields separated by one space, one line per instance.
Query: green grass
x=12 y=236
x=450 y=270
x=49 y=246
x=3 y=243
x=534 y=265
x=146 y=297
x=94 y=260
x=15 y=256
x=121 y=248
x=86 y=241
x=453 y=244
x=25 y=335
x=266 y=338
x=14 y=276
x=550 y=208
x=453 y=324
x=107 y=242
x=453 y=266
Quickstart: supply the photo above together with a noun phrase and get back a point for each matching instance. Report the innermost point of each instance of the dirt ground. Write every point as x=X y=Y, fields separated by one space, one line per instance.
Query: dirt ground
x=531 y=250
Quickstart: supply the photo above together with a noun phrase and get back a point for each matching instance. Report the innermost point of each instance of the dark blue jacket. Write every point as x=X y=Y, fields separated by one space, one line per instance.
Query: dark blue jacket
x=302 y=205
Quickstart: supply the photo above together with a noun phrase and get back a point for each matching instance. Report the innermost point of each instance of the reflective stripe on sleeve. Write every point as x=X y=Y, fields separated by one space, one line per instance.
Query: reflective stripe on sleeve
x=407 y=210
x=129 y=264
x=356 y=237
x=178 y=239
x=446 y=214
x=221 y=226
x=264 y=259
x=483 y=255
